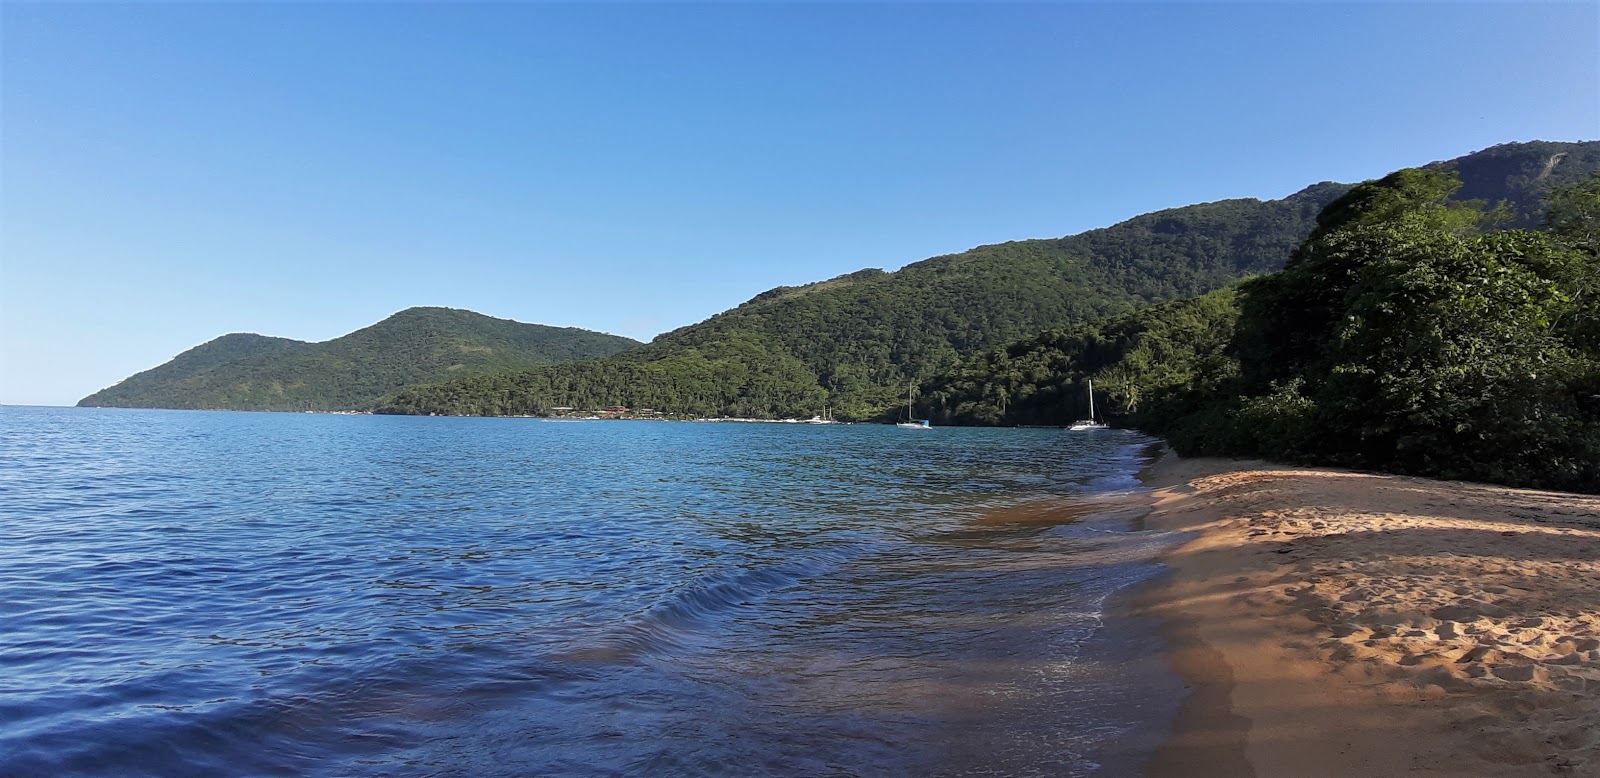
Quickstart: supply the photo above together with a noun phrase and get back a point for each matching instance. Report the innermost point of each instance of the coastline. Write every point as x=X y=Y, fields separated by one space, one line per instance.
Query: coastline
x=1334 y=623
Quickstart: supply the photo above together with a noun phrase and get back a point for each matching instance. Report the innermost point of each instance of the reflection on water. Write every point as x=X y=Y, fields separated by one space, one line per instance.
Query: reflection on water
x=249 y=594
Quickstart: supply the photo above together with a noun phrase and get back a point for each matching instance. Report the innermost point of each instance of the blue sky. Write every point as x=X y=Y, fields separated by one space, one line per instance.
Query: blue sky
x=173 y=172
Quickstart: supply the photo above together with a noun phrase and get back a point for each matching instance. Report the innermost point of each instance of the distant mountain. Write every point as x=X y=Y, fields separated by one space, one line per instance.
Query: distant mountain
x=1520 y=173
x=418 y=345
x=853 y=342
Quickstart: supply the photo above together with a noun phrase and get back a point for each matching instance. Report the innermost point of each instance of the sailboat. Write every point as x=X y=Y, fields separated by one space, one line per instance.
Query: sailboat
x=911 y=423
x=1089 y=423
x=825 y=418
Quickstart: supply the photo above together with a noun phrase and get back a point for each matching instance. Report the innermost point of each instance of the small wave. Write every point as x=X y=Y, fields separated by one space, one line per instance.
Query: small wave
x=675 y=623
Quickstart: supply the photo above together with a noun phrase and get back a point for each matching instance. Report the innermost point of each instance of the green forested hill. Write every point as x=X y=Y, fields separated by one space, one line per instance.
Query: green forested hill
x=1139 y=362
x=1411 y=333
x=853 y=342
x=417 y=345
x=236 y=347
x=1520 y=173
x=867 y=333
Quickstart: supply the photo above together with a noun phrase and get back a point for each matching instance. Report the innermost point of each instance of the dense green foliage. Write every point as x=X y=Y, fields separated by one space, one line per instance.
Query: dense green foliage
x=861 y=337
x=855 y=341
x=1425 y=348
x=1143 y=364
x=1406 y=334
x=418 y=345
x=865 y=335
x=740 y=375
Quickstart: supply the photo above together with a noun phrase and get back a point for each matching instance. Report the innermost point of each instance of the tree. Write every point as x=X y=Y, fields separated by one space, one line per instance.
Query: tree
x=1401 y=339
x=1287 y=318
x=1573 y=213
x=1573 y=218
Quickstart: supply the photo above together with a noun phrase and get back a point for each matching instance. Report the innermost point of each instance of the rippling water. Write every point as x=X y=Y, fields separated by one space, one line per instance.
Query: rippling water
x=193 y=593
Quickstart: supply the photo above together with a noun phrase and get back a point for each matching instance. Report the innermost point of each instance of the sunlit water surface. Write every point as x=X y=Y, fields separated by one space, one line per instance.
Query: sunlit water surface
x=193 y=593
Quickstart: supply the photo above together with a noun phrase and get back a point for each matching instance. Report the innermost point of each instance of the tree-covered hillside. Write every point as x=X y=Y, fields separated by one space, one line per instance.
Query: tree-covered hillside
x=418 y=345
x=1140 y=362
x=1410 y=333
x=861 y=337
x=740 y=375
x=1521 y=173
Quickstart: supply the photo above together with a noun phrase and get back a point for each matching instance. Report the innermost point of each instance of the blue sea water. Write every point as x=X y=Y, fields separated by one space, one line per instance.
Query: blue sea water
x=220 y=594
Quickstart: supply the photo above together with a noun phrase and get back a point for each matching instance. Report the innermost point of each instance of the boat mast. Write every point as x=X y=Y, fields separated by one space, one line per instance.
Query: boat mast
x=1091 y=399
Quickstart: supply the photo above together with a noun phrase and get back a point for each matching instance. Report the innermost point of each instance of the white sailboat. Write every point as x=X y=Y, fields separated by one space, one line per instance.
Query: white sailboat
x=911 y=423
x=825 y=418
x=1089 y=423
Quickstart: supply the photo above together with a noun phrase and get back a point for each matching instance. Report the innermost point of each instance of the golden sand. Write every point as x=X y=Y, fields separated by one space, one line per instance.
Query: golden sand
x=1345 y=624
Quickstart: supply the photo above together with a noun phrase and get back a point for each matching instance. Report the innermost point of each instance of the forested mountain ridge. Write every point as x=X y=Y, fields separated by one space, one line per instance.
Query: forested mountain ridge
x=1520 y=174
x=853 y=342
x=418 y=345
x=234 y=347
x=1410 y=333
x=917 y=319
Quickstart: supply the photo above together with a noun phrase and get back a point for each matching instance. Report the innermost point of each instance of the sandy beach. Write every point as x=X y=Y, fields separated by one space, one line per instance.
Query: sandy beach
x=1332 y=623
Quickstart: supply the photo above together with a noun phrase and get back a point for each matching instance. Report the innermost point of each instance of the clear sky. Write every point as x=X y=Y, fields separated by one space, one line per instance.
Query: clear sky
x=172 y=172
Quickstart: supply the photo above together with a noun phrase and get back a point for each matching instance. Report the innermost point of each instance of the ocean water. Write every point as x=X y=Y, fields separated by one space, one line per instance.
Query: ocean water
x=212 y=593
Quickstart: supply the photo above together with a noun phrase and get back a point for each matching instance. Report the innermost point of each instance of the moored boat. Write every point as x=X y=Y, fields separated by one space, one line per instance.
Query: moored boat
x=912 y=423
x=1089 y=423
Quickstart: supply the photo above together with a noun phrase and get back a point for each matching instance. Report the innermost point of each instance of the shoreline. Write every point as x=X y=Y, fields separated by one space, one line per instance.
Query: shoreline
x=1334 y=623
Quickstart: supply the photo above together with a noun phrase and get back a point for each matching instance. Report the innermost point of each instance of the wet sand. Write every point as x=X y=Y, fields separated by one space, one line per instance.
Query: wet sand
x=1331 y=623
